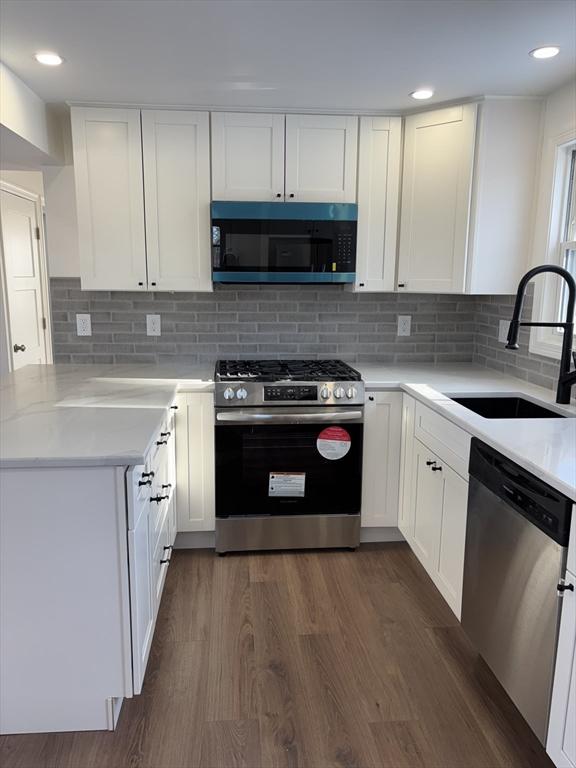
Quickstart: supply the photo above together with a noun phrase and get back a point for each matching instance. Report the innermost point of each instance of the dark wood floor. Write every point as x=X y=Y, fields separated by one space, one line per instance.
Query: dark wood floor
x=303 y=659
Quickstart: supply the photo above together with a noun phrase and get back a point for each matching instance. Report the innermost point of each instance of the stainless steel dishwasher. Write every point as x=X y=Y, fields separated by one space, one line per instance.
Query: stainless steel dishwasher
x=516 y=546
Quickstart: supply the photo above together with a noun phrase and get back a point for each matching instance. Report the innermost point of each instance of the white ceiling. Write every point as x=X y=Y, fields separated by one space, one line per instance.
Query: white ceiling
x=348 y=54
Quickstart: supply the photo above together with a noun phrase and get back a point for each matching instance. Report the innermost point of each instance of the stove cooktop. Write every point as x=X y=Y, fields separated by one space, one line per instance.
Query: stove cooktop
x=285 y=370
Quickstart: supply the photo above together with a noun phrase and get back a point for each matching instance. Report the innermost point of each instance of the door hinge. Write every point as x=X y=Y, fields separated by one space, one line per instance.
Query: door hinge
x=37 y=233
x=44 y=324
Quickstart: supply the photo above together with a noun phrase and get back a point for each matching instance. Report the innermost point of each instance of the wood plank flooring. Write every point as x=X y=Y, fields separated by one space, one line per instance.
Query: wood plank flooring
x=302 y=660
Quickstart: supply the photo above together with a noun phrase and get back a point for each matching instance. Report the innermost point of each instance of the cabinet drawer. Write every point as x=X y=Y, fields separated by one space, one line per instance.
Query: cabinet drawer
x=449 y=442
x=161 y=553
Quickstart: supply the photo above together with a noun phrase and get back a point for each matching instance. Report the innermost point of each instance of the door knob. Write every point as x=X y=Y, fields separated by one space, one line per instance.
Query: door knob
x=19 y=348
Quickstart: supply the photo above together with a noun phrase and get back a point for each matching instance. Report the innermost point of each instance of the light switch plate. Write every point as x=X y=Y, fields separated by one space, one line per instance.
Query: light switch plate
x=503 y=331
x=83 y=325
x=153 y=325
x=404 y=325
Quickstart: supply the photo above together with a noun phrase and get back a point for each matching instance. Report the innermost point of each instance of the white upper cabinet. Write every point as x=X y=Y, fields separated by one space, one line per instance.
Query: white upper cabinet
x=469 y=179
x=176 y=155
x=127 y=163
x=378 y=202
x=437 y=184
x=321 y=158
x=247 y=156
x=109 y=197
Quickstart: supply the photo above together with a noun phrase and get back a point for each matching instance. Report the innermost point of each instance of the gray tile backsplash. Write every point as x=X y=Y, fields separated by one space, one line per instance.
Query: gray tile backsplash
x=261 y=321
x=289 y=321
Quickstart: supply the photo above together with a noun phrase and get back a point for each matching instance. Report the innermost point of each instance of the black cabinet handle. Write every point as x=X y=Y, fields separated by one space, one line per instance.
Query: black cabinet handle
x=430 y=463
x=564 y=587
x=152 y=283
x=361 y=285
x=158 y=499
x=168 y=485
x=168 y=547
x=436 y=469
x=164 y=560
x=165 y=434
x=401 y=285
x=145 y=482
x=371 y=398
x=19 y=348
x=161 y=442
x=174 y=407
x=147 y=474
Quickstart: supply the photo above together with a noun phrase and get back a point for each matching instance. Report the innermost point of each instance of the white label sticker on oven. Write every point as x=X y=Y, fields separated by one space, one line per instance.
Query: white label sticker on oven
x=333 y=443
x=286 y=484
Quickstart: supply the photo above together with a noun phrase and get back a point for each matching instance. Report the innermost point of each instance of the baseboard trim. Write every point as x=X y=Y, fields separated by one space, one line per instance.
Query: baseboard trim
x=206 y=539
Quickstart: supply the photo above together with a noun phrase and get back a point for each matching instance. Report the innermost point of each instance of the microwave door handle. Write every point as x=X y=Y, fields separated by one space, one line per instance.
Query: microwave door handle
x=245 y=417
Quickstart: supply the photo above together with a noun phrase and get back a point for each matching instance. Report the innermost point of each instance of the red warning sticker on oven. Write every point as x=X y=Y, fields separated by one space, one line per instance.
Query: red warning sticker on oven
x=333 y=443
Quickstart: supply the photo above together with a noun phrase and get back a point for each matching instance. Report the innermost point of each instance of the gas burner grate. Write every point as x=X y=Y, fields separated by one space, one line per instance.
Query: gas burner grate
x=285 y=370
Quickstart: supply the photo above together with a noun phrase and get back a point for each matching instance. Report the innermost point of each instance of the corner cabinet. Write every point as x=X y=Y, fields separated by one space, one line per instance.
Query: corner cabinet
x=437 y=186
x=380 y=152
x=143 y=198
x=292 y=158
x=381 y=461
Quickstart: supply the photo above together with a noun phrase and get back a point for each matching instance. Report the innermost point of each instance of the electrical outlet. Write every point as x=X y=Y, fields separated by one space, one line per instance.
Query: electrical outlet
x=153 y=326
x=83 y=325
x=503 y=331
x=404 y=325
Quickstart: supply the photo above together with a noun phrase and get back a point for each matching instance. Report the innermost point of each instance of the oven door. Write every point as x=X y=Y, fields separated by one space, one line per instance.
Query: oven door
x=288 y=461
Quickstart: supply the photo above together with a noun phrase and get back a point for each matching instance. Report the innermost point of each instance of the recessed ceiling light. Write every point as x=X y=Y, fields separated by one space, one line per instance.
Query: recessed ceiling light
x=422 y=93
x=545 y=52
x=48 y=58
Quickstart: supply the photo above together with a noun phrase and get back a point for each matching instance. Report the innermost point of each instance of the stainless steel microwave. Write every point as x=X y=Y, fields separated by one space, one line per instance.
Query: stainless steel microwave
x=283 y=242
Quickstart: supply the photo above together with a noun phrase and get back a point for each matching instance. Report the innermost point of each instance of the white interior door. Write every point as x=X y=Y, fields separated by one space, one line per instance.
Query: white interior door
x=247 y=156
x=321 y=158
x=23 y=274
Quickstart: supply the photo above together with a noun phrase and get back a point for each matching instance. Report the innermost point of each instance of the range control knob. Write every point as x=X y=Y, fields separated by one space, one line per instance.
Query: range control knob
x=324 y=393
x=241 y=394
x=351 y=392
x=339 y=393
x=228 y=393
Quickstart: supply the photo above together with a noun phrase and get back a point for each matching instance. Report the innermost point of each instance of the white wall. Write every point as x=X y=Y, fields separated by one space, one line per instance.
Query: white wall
x=26 y=116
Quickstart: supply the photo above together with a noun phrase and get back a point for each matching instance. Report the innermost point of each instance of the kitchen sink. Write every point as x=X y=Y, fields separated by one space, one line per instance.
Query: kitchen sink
x=507 y=408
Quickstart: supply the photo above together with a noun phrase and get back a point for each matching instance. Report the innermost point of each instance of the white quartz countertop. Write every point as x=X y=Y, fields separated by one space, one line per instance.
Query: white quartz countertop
x=66 y=415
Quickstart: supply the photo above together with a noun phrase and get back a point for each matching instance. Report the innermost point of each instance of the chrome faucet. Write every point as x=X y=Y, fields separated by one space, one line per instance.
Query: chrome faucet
x=566 y=378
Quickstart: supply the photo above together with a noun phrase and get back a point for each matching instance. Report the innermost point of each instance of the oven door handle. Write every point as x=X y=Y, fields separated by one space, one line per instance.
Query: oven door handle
x=245 y=417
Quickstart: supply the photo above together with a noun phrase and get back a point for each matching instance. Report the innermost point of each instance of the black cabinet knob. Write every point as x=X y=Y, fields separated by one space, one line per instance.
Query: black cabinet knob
x=278 y=195
x=401 y=285
x=361 y=285
x=291 y=194
x=371 y=398
x=140 y=283
x=19 y=348
x=564 y=587
x=152 y=283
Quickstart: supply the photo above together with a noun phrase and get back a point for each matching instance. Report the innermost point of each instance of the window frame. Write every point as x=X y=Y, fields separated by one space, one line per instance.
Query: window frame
x=548 y=292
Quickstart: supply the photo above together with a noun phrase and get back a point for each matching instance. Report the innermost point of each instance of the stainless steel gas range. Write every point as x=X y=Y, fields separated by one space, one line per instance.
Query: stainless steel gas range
x=288 y=454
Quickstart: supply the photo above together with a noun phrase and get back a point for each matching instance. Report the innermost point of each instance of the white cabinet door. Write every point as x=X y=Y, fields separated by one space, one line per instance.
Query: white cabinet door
x=247 y=156
x=378 y=202
x=561 y=743
x=176 y=160
x=381 y=459
x=195 y=462
x=141 y=589
x=406 y=502
x=109 y=198
x=427 y=507
x=450 y=563
x=437 y=179
x=321 y=158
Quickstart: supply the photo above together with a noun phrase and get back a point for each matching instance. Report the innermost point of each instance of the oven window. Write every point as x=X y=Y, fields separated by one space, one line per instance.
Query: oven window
x=247 y=456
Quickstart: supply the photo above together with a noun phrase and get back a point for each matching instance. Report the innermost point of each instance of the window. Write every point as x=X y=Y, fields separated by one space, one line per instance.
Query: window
x=558 y=211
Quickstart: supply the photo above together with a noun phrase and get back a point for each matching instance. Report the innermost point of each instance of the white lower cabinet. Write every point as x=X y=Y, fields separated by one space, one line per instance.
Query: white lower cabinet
x=561 y=743
x=434 y=497
x=195 y=497
x=381 y=462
